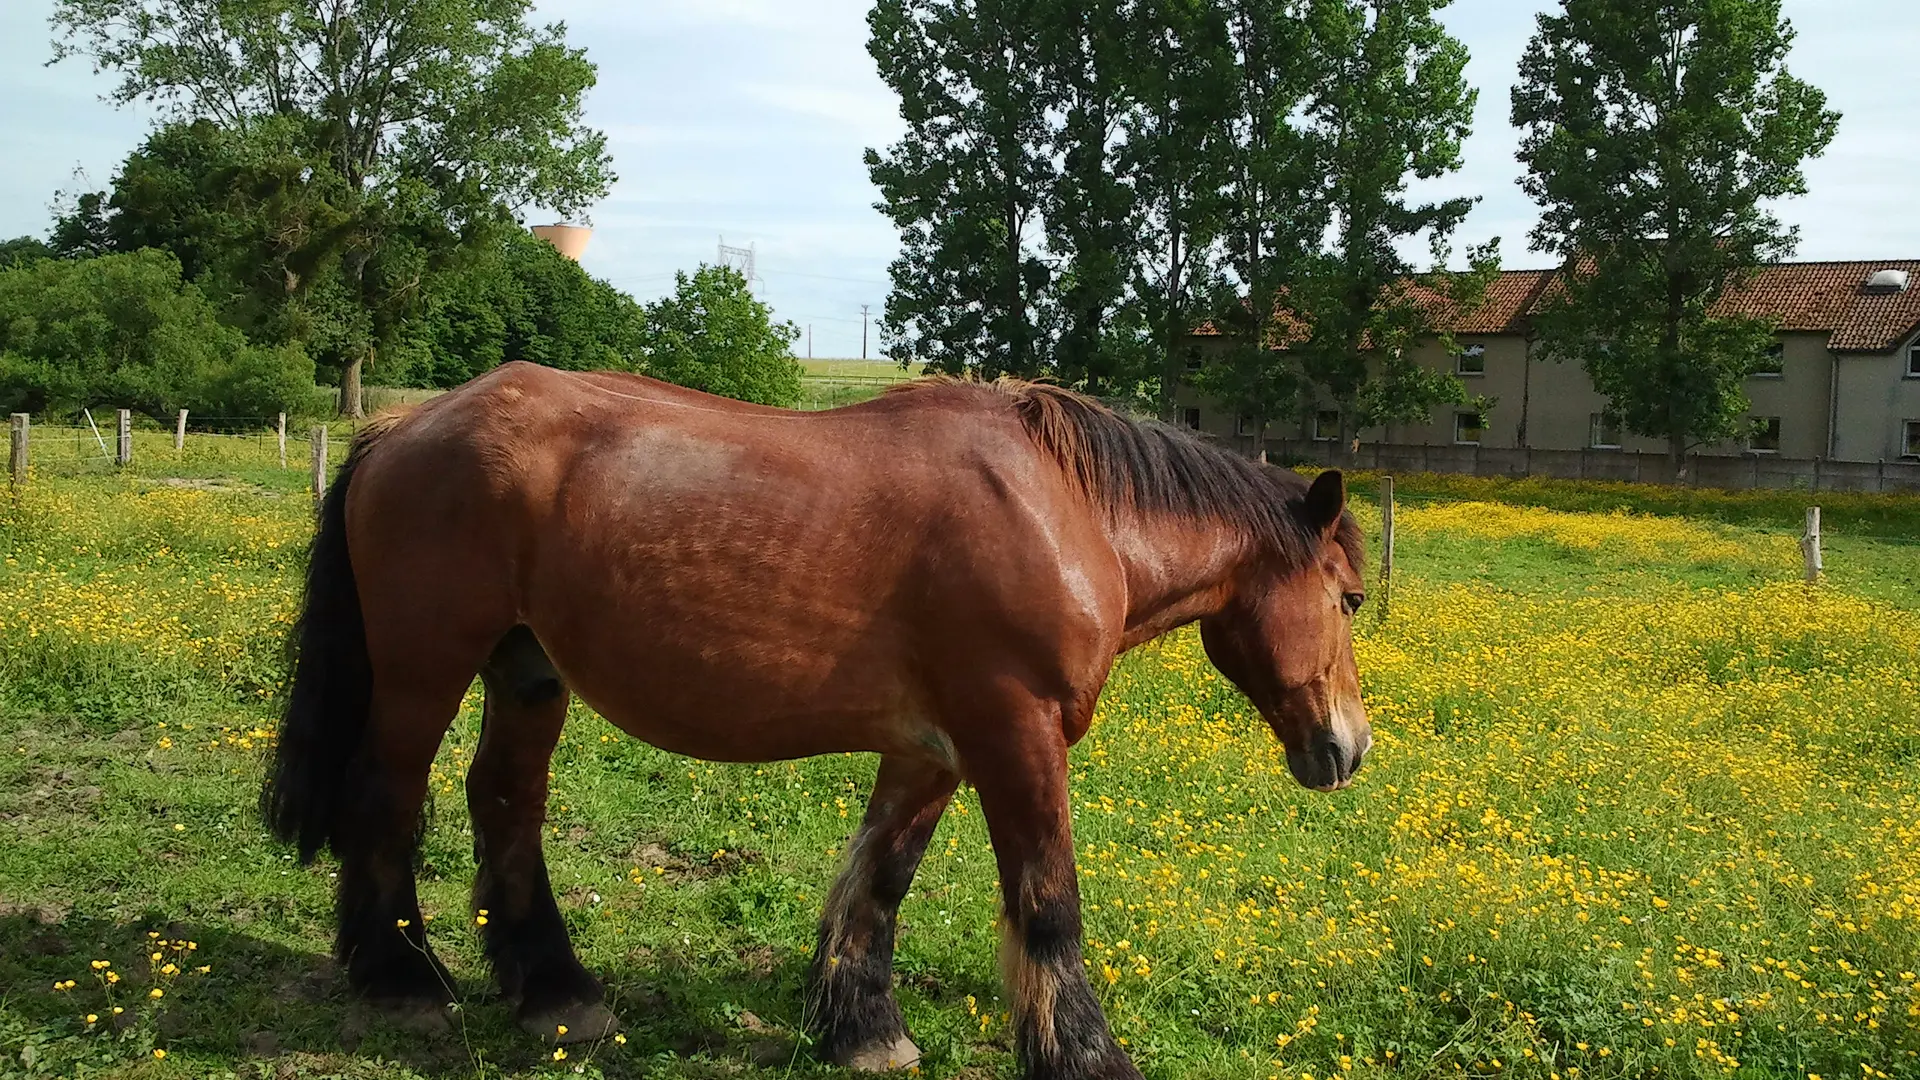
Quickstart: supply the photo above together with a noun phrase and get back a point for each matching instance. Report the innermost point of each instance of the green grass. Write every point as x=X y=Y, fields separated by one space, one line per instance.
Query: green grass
x=876 y=368
x=1631 y=780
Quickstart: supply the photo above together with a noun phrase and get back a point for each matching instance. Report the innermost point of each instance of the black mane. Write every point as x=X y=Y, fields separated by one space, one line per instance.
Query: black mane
x=1144 y=466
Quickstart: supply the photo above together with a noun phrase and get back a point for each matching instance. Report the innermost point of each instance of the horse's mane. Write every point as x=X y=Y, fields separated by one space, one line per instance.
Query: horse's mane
x=1125 y=464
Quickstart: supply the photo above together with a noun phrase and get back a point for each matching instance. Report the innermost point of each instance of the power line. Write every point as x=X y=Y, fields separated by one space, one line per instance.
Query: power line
x=827 y=277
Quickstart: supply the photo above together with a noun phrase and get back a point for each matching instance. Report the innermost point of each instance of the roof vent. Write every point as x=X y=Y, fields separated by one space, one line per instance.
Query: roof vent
x=1887 y=281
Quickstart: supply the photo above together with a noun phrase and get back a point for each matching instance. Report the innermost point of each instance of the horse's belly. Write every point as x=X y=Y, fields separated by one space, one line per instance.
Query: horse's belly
x=717 y=714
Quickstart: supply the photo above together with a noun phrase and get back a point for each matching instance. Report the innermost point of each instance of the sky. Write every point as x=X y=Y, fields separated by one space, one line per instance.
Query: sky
x=745 y=121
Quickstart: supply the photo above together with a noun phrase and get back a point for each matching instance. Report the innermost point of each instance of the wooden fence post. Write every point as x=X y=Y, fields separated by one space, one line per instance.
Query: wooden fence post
x=124 y=456
x=180 y=432
x=1386 y=546
x=280 y=431
x=319 y=464
x=1810 y=544
x=17 y=451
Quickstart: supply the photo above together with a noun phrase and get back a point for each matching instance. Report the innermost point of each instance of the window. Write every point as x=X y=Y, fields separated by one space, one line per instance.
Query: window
x=1471 y=361
x=1193 y=360
x=1766 y=435
x=1326 y=425
x=1603 y=432
x=1190 y=419
x=1771 y=364
x=1910 y=446
x=1467 y=427
x=1913 y=361
x=1243 y=425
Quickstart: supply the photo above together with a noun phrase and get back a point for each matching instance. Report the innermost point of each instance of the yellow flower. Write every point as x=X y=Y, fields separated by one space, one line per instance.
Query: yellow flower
x=560 y=1053
x=159 y=1053
x=156 y=992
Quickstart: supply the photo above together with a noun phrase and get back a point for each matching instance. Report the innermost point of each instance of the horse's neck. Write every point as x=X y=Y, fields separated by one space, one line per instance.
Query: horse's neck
x=1177 y=571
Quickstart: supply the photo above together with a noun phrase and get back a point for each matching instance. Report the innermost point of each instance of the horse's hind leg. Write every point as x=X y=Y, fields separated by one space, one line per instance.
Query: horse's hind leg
x=853 y=1011
x=526 y=941
x=382 y=939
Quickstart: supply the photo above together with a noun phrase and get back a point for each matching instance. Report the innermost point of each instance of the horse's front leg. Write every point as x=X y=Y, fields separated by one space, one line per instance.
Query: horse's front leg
x=851 y=1006
x=1059 y=1030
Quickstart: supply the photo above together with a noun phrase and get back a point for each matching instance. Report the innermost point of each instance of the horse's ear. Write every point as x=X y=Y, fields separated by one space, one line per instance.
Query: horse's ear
x=1326 y=498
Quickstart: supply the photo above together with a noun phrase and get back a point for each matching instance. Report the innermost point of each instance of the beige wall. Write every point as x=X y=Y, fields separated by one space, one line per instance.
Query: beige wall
x=1876 y=399
x=1559 y=403
x=1800 y=397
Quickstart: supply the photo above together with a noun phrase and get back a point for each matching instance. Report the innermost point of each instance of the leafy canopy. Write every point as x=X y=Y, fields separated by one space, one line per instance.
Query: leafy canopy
x=1655 y=137
x=713 y=335
x=439 y=118
x=127 y=331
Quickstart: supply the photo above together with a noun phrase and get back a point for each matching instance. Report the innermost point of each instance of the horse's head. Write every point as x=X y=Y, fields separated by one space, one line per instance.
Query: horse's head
x=1285 y=638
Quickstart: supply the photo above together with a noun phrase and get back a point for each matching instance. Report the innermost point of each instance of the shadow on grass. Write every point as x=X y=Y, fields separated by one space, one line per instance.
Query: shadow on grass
x=288 y=1012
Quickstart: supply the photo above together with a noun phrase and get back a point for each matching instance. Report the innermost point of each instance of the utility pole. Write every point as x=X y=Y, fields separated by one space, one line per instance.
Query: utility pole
x=863 y=330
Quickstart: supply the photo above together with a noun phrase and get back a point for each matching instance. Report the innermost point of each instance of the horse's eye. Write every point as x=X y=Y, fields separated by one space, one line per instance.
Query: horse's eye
x=1353 y=600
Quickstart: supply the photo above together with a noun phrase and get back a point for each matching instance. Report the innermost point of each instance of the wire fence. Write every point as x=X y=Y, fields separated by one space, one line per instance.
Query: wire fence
x=93 y=442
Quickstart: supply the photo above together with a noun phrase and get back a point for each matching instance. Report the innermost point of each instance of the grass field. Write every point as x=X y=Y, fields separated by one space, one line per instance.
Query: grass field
x=1641 y=805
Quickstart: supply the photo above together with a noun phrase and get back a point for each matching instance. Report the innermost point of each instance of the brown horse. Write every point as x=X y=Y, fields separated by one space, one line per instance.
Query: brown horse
x=943 y=576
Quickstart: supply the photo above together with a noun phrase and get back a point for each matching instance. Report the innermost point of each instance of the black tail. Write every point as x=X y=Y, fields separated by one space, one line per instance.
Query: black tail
x=326 y=707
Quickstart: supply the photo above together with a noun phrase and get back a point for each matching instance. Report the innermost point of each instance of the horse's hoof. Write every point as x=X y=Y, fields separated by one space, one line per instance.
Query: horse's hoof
x=417 y=1017
x=882 y=1057
x=573 y=1023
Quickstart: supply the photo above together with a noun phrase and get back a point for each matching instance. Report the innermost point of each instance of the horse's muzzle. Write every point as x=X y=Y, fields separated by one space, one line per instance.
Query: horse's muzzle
x=1328 y=762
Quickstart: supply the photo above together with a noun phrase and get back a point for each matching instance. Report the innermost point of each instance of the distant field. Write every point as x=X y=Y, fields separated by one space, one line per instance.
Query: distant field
x=856 y=369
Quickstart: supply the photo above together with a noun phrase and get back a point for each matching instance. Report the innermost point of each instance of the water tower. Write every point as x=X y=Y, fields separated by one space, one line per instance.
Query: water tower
x=571 y=240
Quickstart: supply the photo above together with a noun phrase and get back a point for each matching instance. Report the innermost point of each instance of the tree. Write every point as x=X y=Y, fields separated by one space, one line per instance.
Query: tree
x=1654 y=136
x=439 y=117
x=1271 y=221
x=24 y=251
x=1178 y=152
x=712 y=335
x=967 y=185
x=240 y=210
x=1091 y=222
x=127 y=330
x=520 y=299
x=1390 y=104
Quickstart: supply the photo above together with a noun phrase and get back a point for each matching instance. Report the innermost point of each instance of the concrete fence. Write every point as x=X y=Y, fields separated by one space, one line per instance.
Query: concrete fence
x=1733 y=473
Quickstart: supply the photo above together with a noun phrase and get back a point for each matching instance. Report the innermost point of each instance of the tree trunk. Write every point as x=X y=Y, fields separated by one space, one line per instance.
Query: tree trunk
x=350 y=403
x=1677 y=457
x=1171 y=364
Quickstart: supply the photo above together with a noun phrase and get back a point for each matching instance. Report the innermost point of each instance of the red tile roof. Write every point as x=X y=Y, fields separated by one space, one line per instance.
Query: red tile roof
x=1832 y=297
x=1811 y=297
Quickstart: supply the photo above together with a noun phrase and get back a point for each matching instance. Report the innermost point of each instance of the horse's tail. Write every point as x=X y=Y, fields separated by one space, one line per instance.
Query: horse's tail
x=326 y=706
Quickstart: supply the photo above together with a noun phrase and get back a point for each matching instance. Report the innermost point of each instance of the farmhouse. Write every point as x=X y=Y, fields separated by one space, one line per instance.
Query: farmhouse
x=1842 y=382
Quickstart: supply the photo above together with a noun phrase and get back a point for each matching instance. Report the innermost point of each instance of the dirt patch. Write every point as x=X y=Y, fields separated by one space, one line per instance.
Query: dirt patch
x=224 y=487
x=45 y=914
x=658 y=861
x=759 y=962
